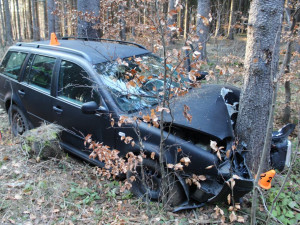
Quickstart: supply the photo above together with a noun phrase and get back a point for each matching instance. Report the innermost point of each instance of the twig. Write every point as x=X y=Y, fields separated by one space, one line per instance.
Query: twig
x=288 y=173
x=266 y=208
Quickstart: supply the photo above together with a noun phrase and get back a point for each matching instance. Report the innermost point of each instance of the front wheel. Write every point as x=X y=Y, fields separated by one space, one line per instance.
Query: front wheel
x=18 y=121
x=150 y=186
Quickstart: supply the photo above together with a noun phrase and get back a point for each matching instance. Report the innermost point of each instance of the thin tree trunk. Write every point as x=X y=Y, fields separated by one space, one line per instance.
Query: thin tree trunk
x=261 y=61
x=29 y=19
x=9 y=35
x=51 y=17
x=231 y=21
x=45 y=19
x=38 y=33
x=34 y=21
x=202 y=26
x=18 y=18
x=171 y=21
x=186 y=19
x=3 y=25
x=122 y=23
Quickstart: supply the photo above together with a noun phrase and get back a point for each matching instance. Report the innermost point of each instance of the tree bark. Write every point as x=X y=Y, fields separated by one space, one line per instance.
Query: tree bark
x=3 y=25
x=171 y=21
x=202 y=26
x=9 y=35
x=84 y=28
x=230 y=33
x=18 y=19
x=261 y=62
x=51 y=17
x=34 y=21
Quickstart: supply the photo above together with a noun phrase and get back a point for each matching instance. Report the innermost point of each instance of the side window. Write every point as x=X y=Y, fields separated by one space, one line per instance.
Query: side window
x=41 y=72
x=12 y=64
x=75 y=84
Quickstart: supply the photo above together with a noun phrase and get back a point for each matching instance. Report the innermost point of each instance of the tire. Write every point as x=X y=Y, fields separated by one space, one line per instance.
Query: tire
x=18 y=121
x=152 y=185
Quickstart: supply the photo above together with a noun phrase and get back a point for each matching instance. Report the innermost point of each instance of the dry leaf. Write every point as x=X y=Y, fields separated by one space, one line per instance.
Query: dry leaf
x=214 y=146
x=185 y=160
x=232 y=217
x=152 y=155
x=209 y=167
x=18 y=197
x=240 y=219
x=170 y=166
x=229 y=199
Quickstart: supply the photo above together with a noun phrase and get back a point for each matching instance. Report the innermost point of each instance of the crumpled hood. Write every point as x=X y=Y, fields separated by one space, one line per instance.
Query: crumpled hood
x=207 y=108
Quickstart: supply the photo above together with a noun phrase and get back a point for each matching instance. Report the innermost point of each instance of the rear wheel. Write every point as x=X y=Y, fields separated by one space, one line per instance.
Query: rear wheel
x=19 y=123
x=151 y=187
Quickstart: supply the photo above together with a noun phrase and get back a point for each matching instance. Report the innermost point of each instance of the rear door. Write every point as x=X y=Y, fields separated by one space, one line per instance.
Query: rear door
x=75 y=87
x=10 y=71
x=35 y=89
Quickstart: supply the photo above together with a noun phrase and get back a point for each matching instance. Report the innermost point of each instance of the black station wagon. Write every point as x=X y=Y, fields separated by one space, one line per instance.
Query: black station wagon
x=82 y=84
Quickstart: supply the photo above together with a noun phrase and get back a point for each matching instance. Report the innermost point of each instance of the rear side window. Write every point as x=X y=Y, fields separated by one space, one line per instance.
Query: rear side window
x=75 y=84
x=41 y=72
x=12 y=64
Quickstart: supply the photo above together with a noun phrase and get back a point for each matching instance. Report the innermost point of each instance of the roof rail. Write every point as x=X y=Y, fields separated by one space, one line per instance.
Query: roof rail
x=52 y=47
x=103 y=39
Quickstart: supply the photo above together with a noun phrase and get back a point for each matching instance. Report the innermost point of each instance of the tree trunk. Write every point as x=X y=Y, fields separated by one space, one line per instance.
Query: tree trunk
x=29 y=19
x=38 y=32
x=3 y=25
x=122 y=23
x=51 y=17
x=9 y=35
x=34 y=21
x=231 y=21
x=203 y=26
x=18 y=18
x=45 y=19
x=261 y=62
x=186 y=19
x=171 y=21
x=85 y=29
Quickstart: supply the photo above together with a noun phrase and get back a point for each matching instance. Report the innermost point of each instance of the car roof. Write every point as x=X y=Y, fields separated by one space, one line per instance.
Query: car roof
x=93 y=51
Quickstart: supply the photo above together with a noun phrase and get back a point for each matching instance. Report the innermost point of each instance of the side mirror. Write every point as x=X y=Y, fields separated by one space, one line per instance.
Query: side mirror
x=91 y=107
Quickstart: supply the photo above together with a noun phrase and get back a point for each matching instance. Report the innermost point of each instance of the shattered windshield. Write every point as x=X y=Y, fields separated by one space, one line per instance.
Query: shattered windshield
x=135 y=82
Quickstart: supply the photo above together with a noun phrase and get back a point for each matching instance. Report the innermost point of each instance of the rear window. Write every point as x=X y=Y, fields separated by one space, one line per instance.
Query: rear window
x=12 y=64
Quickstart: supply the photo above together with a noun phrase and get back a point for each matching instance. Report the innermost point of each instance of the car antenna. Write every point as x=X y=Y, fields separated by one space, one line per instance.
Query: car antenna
x=53 y=40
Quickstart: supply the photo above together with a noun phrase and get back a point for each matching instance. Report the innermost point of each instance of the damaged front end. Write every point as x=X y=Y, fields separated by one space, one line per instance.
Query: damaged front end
x=232 y=181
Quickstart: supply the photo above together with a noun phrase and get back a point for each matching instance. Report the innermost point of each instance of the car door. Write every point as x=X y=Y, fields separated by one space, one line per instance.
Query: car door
x=10 y=71
x=35 y=89
x=74 y=88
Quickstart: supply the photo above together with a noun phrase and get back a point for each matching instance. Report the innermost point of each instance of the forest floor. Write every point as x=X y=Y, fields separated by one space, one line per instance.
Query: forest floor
x=69 y=191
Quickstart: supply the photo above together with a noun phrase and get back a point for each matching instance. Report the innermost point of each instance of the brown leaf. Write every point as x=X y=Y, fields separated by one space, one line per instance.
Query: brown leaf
x=170 y=166
x=202 y=177
x=240 y=219
x=152 y=155
x=209 y=167
x=232 y=217
x=185 y=160
x=255 y=60
x=229 y=199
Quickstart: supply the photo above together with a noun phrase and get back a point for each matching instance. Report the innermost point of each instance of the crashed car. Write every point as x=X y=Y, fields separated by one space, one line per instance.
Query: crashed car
x=82 y=84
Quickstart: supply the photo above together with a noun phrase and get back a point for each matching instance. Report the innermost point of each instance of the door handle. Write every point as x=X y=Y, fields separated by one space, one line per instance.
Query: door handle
x=21 y=92
x=57 y=109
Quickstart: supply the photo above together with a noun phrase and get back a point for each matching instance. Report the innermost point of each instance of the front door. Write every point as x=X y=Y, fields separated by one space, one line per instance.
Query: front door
x=76 y=87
